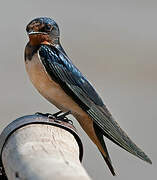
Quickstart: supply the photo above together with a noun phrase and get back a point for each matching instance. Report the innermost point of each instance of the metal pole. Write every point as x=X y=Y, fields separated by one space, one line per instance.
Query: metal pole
x=36 y=147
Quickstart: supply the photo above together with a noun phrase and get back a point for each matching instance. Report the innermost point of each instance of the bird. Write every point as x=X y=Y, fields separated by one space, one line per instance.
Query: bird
x=57 y=79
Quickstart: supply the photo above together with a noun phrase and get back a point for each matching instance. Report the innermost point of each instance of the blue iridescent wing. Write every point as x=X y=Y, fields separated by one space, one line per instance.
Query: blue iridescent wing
x=61 y=69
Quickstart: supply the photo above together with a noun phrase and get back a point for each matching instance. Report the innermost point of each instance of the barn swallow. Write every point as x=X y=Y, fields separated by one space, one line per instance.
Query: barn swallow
x=56 y=78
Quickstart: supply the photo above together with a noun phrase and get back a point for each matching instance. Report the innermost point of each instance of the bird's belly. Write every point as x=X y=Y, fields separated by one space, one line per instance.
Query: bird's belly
x=49 y=88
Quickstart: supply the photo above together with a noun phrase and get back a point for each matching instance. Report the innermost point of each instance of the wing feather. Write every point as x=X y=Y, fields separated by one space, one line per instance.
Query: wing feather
x=69 y=77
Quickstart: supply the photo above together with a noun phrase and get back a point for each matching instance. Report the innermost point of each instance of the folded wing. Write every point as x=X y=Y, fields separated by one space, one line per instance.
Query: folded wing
x=61 y=69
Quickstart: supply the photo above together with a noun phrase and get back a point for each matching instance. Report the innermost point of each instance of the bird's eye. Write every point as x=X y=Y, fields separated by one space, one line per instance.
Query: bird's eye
x=48 y=27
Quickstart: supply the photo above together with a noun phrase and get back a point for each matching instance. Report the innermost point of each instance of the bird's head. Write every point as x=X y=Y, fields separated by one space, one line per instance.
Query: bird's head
x=43 y=30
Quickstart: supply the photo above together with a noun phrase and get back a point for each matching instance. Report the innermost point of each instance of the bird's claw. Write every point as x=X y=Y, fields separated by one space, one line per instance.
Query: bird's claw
x=56 y=117
x=39 y=113
x=64 y=118
x=44 y=114
x=56 y=114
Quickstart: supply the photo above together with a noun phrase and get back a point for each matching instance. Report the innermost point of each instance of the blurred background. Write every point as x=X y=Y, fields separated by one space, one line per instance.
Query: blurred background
x=113 y=42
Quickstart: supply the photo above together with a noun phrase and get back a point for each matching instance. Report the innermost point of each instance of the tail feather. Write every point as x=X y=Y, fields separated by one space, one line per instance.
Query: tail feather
x=109 y=164
x=112 y=130
x=107 y=157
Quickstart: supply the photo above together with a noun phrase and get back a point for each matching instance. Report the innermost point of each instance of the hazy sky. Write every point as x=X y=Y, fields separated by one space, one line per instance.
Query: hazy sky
x=113 y=42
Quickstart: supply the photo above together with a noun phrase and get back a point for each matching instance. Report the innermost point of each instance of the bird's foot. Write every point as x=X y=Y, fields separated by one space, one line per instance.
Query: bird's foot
x=64 y=118
x=56 y=114
x=49 y=115
x=56 y=117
